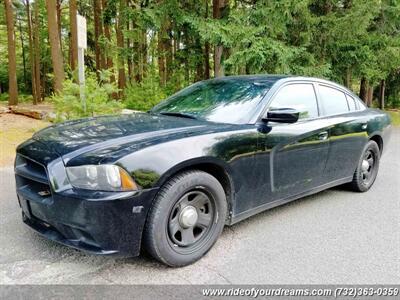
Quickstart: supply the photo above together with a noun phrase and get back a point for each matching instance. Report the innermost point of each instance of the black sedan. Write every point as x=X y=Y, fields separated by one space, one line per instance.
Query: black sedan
x=211 y=155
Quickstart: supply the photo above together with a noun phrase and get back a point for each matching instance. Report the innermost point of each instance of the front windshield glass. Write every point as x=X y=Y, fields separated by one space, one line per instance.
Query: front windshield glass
x=218 y=100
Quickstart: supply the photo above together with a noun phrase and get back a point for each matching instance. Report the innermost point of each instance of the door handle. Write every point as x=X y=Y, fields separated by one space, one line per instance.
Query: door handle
x=323 y=135
x=364 y=126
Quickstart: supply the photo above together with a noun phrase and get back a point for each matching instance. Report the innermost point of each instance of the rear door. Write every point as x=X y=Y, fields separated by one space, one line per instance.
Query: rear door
x=347 y=133
x=297 y=152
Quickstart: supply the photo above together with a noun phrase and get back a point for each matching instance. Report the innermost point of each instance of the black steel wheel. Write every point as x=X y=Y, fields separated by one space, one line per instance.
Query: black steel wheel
x=186 y=219
x=190 y=220
x=367 y=168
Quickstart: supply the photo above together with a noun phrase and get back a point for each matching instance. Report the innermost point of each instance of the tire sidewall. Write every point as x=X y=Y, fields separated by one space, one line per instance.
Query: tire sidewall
x=373 y=146
x=164 y=204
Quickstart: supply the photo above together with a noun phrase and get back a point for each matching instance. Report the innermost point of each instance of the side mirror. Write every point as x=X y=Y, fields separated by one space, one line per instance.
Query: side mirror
x=282 y=115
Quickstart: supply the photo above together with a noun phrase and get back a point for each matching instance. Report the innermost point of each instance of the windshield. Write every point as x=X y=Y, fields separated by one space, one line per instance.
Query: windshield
x=218 y=100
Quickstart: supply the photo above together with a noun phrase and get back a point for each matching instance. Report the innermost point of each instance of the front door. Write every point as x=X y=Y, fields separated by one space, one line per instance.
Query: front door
x=297 y=153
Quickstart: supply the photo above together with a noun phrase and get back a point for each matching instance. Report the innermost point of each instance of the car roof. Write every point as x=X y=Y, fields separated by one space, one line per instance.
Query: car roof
x=255 y=77
x=271 y=79
x=267 y=80
x=258 y=77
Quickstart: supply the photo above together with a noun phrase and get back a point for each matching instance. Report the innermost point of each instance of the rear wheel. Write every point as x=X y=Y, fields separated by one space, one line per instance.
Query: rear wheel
x=367 y=168
x=186 y=219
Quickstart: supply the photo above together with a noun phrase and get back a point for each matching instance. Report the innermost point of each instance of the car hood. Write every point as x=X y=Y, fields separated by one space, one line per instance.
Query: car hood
x=111 y=133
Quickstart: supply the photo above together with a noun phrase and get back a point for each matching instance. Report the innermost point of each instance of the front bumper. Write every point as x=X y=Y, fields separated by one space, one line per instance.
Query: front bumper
x=95 y=222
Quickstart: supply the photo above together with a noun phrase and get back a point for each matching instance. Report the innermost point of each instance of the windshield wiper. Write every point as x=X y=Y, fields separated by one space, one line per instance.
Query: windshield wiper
x=178 y=114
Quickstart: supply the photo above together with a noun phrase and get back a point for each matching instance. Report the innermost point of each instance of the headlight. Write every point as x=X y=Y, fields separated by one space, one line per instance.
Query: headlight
x=101 y=177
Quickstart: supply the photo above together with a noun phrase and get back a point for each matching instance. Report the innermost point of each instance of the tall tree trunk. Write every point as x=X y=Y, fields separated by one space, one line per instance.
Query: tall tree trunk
x=169 y=59
x=120 y=44
x=137 y=50
x=363 y=89
x=218 y=70
x=58 y=7
x=161 y=59
x=56 y=55
x=21 y=37
x=206 y=51
x=186 y=66
x=36 y=51
x=218 y=8
x=129 y=60
x=136 y=58
x=143 y=62
x=31 y=52
x=45 y=88
x=103 y=62
x=98 y=32
x=167 y=41
x=206 y=60
x=12 y=63
x=370 y=95
x=162 y=48
x=107 y=33
x=382 y=94
x=199 y=61
x=73 y=29
x=347 y=78
x=177 y=57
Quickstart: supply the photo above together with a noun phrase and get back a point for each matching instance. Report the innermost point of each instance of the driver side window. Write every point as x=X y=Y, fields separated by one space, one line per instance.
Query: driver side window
x=298 y=96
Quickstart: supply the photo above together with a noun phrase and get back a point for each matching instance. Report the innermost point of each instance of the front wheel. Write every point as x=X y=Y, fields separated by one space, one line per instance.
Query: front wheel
x=186 y=219
x=367 y=168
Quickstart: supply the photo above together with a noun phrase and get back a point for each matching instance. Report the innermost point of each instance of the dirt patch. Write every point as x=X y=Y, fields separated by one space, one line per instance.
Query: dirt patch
x=14 y=129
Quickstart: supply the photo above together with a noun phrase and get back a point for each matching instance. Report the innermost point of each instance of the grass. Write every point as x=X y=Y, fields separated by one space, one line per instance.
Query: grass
x=395 y=116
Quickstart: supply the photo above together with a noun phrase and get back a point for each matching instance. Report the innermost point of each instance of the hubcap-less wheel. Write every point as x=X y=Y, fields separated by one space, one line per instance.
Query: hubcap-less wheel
x=186 y=218
x=367 y=169
x=190 y=220
x=367 y=166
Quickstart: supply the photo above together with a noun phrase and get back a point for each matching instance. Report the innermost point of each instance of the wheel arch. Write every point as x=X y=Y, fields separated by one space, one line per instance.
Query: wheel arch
x=377 y=139
x=216 y=168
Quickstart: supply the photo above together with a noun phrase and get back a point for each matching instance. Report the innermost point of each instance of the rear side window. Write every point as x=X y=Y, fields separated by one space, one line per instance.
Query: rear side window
x=333 y=101
x=299 y=96
x=351 y=102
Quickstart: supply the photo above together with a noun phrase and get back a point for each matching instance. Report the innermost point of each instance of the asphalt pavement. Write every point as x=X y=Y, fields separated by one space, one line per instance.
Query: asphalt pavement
x=333 y=237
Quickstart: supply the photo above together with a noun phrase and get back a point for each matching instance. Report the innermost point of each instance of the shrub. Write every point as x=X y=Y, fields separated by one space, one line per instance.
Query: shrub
x=143 y=96
x=22 y=98
x=98 y=98
x=4 y=97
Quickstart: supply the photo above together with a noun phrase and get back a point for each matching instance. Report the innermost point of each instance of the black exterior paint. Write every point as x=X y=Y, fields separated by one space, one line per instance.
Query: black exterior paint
x=266 y=164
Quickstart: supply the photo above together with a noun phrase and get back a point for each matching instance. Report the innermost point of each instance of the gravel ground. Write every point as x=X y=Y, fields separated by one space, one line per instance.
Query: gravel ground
x=333 y=237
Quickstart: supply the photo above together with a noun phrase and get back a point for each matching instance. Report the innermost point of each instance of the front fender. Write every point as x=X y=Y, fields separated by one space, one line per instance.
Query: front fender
x=228 y=156
x=198 y=162
x=152 y=166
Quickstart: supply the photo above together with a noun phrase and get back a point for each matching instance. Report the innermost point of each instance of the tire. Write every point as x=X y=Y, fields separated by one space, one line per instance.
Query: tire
x=186 y=218
x=365 y=174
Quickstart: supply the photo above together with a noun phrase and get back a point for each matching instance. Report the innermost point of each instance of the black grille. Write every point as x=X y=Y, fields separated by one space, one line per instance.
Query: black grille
x=32 y=181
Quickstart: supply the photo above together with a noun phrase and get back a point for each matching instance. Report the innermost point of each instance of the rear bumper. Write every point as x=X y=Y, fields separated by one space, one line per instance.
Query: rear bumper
x=99 y=223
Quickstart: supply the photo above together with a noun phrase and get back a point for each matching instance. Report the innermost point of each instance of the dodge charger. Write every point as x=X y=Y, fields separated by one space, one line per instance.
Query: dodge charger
x=211 y=155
